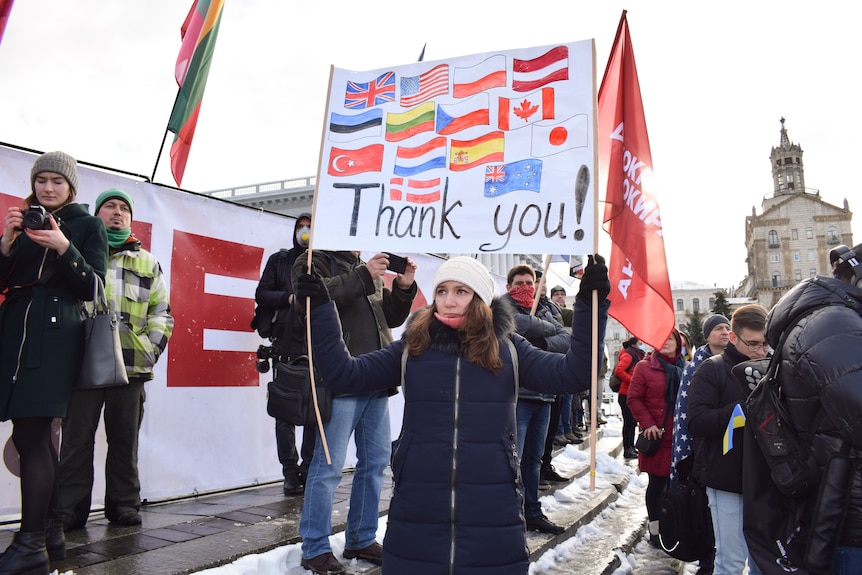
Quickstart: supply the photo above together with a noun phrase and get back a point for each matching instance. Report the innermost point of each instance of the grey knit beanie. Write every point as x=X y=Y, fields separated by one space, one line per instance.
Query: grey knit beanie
x=58 y=162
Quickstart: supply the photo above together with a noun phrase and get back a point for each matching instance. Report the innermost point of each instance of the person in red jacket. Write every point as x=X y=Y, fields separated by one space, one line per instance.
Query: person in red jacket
x=631 y=353
x=651 y=395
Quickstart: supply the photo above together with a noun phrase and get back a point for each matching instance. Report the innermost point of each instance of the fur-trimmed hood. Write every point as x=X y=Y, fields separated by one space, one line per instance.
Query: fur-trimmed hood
x=446 y=339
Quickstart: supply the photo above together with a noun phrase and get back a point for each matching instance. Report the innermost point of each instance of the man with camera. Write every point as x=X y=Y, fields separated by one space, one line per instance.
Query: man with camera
x=368 y=311
x=134 y=286
x=275 y=293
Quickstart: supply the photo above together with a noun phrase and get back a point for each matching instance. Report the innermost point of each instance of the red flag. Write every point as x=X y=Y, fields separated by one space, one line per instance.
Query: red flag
x=5 y=9
x=199 y=33
x=640 y=288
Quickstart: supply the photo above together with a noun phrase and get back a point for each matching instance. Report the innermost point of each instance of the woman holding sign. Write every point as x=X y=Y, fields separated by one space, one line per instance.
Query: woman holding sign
x=457 y=505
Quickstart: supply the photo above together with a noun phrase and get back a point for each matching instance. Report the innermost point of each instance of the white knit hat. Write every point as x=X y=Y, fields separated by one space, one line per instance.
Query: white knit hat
x=469 y=272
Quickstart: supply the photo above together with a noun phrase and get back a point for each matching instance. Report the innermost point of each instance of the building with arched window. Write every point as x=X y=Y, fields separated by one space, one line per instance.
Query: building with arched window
x=790 y=239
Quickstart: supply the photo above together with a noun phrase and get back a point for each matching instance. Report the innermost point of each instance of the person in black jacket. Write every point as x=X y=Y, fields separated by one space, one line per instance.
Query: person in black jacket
x=821 y=389
x=533 y=411
x=276 y=292
x=456 y=506
x=714 y=401
x=48 y=264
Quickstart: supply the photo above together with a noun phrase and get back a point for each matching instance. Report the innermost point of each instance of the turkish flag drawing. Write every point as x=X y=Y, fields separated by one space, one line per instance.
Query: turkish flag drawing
x=640 y=288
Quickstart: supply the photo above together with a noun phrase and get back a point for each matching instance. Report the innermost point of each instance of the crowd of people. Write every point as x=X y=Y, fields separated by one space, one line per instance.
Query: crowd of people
x=819 y=328
x=490 y=383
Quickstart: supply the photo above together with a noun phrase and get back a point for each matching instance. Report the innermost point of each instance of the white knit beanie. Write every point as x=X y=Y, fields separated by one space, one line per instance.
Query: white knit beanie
x=469 y=272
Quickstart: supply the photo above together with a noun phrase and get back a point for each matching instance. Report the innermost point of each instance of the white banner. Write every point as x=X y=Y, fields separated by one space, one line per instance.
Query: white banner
x=486 y=153
x=205 y=425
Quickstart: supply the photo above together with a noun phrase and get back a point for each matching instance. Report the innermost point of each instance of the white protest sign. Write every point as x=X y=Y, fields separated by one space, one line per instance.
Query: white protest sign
x=486 y=153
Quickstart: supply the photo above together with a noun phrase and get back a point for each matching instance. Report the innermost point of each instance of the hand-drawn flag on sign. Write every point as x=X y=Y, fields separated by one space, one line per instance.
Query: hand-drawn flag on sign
x=514 y=113
x=456 y=117
x=406 y=124
x=549 y=67
x=349 y=162
x=360 y=95
x=568 y=134
x=466 y=154
x=504 y=178
x=346 y=128
x=412 y=161
x=418 y=89
x=414 y=191
x=490 y=73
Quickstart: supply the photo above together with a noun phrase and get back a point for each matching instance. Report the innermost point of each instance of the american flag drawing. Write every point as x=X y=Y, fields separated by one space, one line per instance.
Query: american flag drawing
x=359 y=95
x=418 y=89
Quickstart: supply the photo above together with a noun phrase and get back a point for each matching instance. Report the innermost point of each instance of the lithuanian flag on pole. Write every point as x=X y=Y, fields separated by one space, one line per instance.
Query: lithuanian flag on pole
x=199 y=33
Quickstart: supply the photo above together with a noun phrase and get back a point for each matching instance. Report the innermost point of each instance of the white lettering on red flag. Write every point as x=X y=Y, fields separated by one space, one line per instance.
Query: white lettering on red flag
x=640 y=288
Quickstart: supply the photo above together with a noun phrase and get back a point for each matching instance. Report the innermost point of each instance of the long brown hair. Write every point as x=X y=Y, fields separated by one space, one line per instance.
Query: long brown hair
x=479 y=343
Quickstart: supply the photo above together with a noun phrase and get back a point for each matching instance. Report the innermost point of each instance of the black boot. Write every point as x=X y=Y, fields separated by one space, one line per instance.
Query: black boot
x=55 y=540
x=26 y=555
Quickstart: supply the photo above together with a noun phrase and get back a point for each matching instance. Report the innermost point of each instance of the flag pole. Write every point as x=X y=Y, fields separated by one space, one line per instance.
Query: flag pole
x=597 y=345
x=308 y=302
x=540 y=289
x=164 y=138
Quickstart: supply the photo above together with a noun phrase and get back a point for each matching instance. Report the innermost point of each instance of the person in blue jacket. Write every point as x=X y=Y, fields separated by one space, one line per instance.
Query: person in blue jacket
x=457 y=507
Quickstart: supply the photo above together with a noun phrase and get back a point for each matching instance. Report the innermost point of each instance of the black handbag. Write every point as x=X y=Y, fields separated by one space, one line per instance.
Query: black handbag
x=650 y=446
x=647 y=446
x=289 y=394
x=102 y=364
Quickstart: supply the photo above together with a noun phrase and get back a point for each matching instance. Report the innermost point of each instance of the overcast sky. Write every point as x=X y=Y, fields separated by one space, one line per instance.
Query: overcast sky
x=95 y=79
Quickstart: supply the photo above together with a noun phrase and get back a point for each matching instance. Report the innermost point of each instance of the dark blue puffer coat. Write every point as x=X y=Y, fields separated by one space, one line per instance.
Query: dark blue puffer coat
x=457 y=508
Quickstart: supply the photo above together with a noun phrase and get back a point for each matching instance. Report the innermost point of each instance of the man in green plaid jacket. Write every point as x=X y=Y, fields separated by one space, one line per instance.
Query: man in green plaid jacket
x=135 y=286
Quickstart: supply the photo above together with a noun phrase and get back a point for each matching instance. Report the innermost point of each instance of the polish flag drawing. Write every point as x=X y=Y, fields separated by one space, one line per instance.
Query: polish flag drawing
x=490 y=73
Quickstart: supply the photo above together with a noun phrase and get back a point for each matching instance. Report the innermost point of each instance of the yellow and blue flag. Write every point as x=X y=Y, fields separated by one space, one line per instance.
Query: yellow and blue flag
x=737 y=419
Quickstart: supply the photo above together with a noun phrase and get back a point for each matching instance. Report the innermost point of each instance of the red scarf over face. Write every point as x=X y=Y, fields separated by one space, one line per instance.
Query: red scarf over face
x=523 y=294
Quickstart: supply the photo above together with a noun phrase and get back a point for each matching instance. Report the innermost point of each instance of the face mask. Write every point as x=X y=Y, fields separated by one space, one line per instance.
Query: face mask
x=302 y=235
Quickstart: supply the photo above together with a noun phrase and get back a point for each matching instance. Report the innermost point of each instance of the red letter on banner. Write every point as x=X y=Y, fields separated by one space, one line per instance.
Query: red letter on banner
x=194 y=310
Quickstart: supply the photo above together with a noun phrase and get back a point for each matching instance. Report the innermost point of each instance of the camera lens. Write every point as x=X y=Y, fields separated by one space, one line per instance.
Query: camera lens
x=35 y=218
x=262 y=366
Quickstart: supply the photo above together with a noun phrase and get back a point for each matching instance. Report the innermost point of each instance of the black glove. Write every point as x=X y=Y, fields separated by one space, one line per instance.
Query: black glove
x=311 y=287
x=595 y=278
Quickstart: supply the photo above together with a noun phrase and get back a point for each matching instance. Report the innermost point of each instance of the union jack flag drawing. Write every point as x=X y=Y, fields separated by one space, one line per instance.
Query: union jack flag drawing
x=495 y=173
x=361 y=95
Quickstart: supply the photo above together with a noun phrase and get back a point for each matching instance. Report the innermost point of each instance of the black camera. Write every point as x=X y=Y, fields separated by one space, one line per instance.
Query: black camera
x=36 y=218
x=264 y=354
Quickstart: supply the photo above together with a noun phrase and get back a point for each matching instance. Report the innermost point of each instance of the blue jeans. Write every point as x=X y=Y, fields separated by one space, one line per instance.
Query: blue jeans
x=565 y=425
x=368 y=416
x=731 y=551
x=533 y=416
x=848 y=560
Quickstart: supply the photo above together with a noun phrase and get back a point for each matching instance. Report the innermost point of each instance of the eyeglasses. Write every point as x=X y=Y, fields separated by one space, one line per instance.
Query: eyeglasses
x=755 y=346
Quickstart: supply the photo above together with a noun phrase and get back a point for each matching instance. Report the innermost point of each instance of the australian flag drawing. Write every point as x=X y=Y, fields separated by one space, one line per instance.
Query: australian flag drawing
x=521 y=175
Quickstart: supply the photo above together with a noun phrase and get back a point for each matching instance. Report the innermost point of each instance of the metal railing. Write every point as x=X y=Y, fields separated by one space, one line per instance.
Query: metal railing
x=265 y=188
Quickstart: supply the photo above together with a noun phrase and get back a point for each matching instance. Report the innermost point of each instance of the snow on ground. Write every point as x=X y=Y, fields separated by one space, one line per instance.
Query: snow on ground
x=561 y=559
